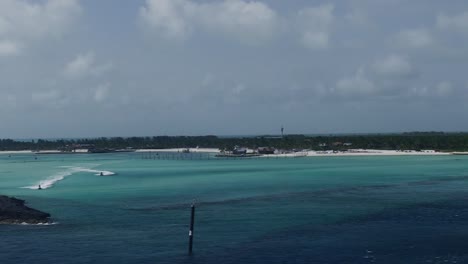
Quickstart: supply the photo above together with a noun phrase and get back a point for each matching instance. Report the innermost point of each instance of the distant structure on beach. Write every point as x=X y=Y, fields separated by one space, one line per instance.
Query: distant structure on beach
x=266 y=150
x=239 y=151
x=282 y=131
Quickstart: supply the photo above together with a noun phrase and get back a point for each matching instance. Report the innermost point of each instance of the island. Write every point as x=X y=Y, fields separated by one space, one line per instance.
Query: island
x=269 y=146
x=14 y=211
x=440 y=141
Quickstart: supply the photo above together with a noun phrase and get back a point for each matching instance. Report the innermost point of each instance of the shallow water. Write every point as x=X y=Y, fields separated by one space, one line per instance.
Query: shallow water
x=299 y=210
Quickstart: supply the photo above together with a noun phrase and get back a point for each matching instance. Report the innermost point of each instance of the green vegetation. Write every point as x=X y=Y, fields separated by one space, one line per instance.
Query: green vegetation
x=415 y=141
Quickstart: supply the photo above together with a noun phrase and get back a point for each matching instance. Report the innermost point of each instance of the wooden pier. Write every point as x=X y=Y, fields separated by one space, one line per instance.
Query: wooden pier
x=208 y=156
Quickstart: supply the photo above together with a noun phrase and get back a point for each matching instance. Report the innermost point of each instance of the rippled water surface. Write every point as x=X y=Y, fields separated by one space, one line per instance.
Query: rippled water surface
x=299 y=210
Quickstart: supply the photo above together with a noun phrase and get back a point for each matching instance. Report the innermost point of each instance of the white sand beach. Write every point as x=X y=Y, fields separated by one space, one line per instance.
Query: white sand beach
x=16 y=152
x=359 y=152
x=327 y=153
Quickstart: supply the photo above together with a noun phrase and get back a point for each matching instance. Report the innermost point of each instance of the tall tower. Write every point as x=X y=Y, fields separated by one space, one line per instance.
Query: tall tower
x=282 y=131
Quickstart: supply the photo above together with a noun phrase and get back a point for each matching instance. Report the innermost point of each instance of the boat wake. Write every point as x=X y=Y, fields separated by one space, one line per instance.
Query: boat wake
x=70 y=170
x=40 y=224
x=98 y=172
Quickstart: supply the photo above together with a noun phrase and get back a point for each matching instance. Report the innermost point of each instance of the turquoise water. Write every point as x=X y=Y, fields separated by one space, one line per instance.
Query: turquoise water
x=299 y=210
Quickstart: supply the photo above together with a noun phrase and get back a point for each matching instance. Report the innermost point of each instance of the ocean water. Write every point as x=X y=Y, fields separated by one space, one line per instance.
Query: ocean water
x=300 y=210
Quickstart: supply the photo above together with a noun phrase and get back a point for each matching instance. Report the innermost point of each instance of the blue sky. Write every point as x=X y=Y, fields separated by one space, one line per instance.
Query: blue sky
x=71 y=68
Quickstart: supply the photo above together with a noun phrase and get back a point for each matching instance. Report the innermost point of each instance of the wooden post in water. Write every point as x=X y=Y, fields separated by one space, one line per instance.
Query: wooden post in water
x=192 y=221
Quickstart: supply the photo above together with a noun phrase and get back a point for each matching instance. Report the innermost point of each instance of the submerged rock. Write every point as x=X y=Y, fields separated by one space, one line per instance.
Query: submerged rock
x=13 y=211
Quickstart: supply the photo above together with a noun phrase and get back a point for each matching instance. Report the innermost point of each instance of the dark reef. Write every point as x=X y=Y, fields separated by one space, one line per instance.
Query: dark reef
x=14 y=211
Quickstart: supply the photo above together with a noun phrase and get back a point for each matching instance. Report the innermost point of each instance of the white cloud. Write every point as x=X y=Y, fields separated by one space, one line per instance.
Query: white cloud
x=444 y=89
x=455 y=22
x=386 y=77
x=358 y=17
x=45 y=96
x=389 y=77
x=9 y=48
x=51 y=98
x=208 y=80
x=415 y=38
x=80 y=66
x=102 y=92
x=7 y=101
x=394 y=66
x=419 y=91
x=85 y=65
x=235 y=94
x=358 y=84
x=315 y=25
x=249 y=21
x=22 y=21
x=168 y=17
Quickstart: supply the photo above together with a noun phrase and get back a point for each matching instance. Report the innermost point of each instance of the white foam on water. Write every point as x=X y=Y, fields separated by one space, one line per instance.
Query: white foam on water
x=40 y=224
x=70 y=170
x=50 y=181
x=98 y=172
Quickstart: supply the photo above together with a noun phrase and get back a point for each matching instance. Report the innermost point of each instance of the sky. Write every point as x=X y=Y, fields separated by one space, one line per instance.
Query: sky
x=84 y=68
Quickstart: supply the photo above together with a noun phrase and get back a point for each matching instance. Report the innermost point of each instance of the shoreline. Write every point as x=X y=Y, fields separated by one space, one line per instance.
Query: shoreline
x=328 y=153
x=371 y=153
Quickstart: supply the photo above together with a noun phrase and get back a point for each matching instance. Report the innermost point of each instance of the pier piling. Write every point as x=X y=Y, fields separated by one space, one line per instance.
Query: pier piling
x=192 y=221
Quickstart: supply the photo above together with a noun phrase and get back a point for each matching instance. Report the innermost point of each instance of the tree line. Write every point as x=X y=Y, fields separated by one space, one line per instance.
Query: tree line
x=414 y=141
